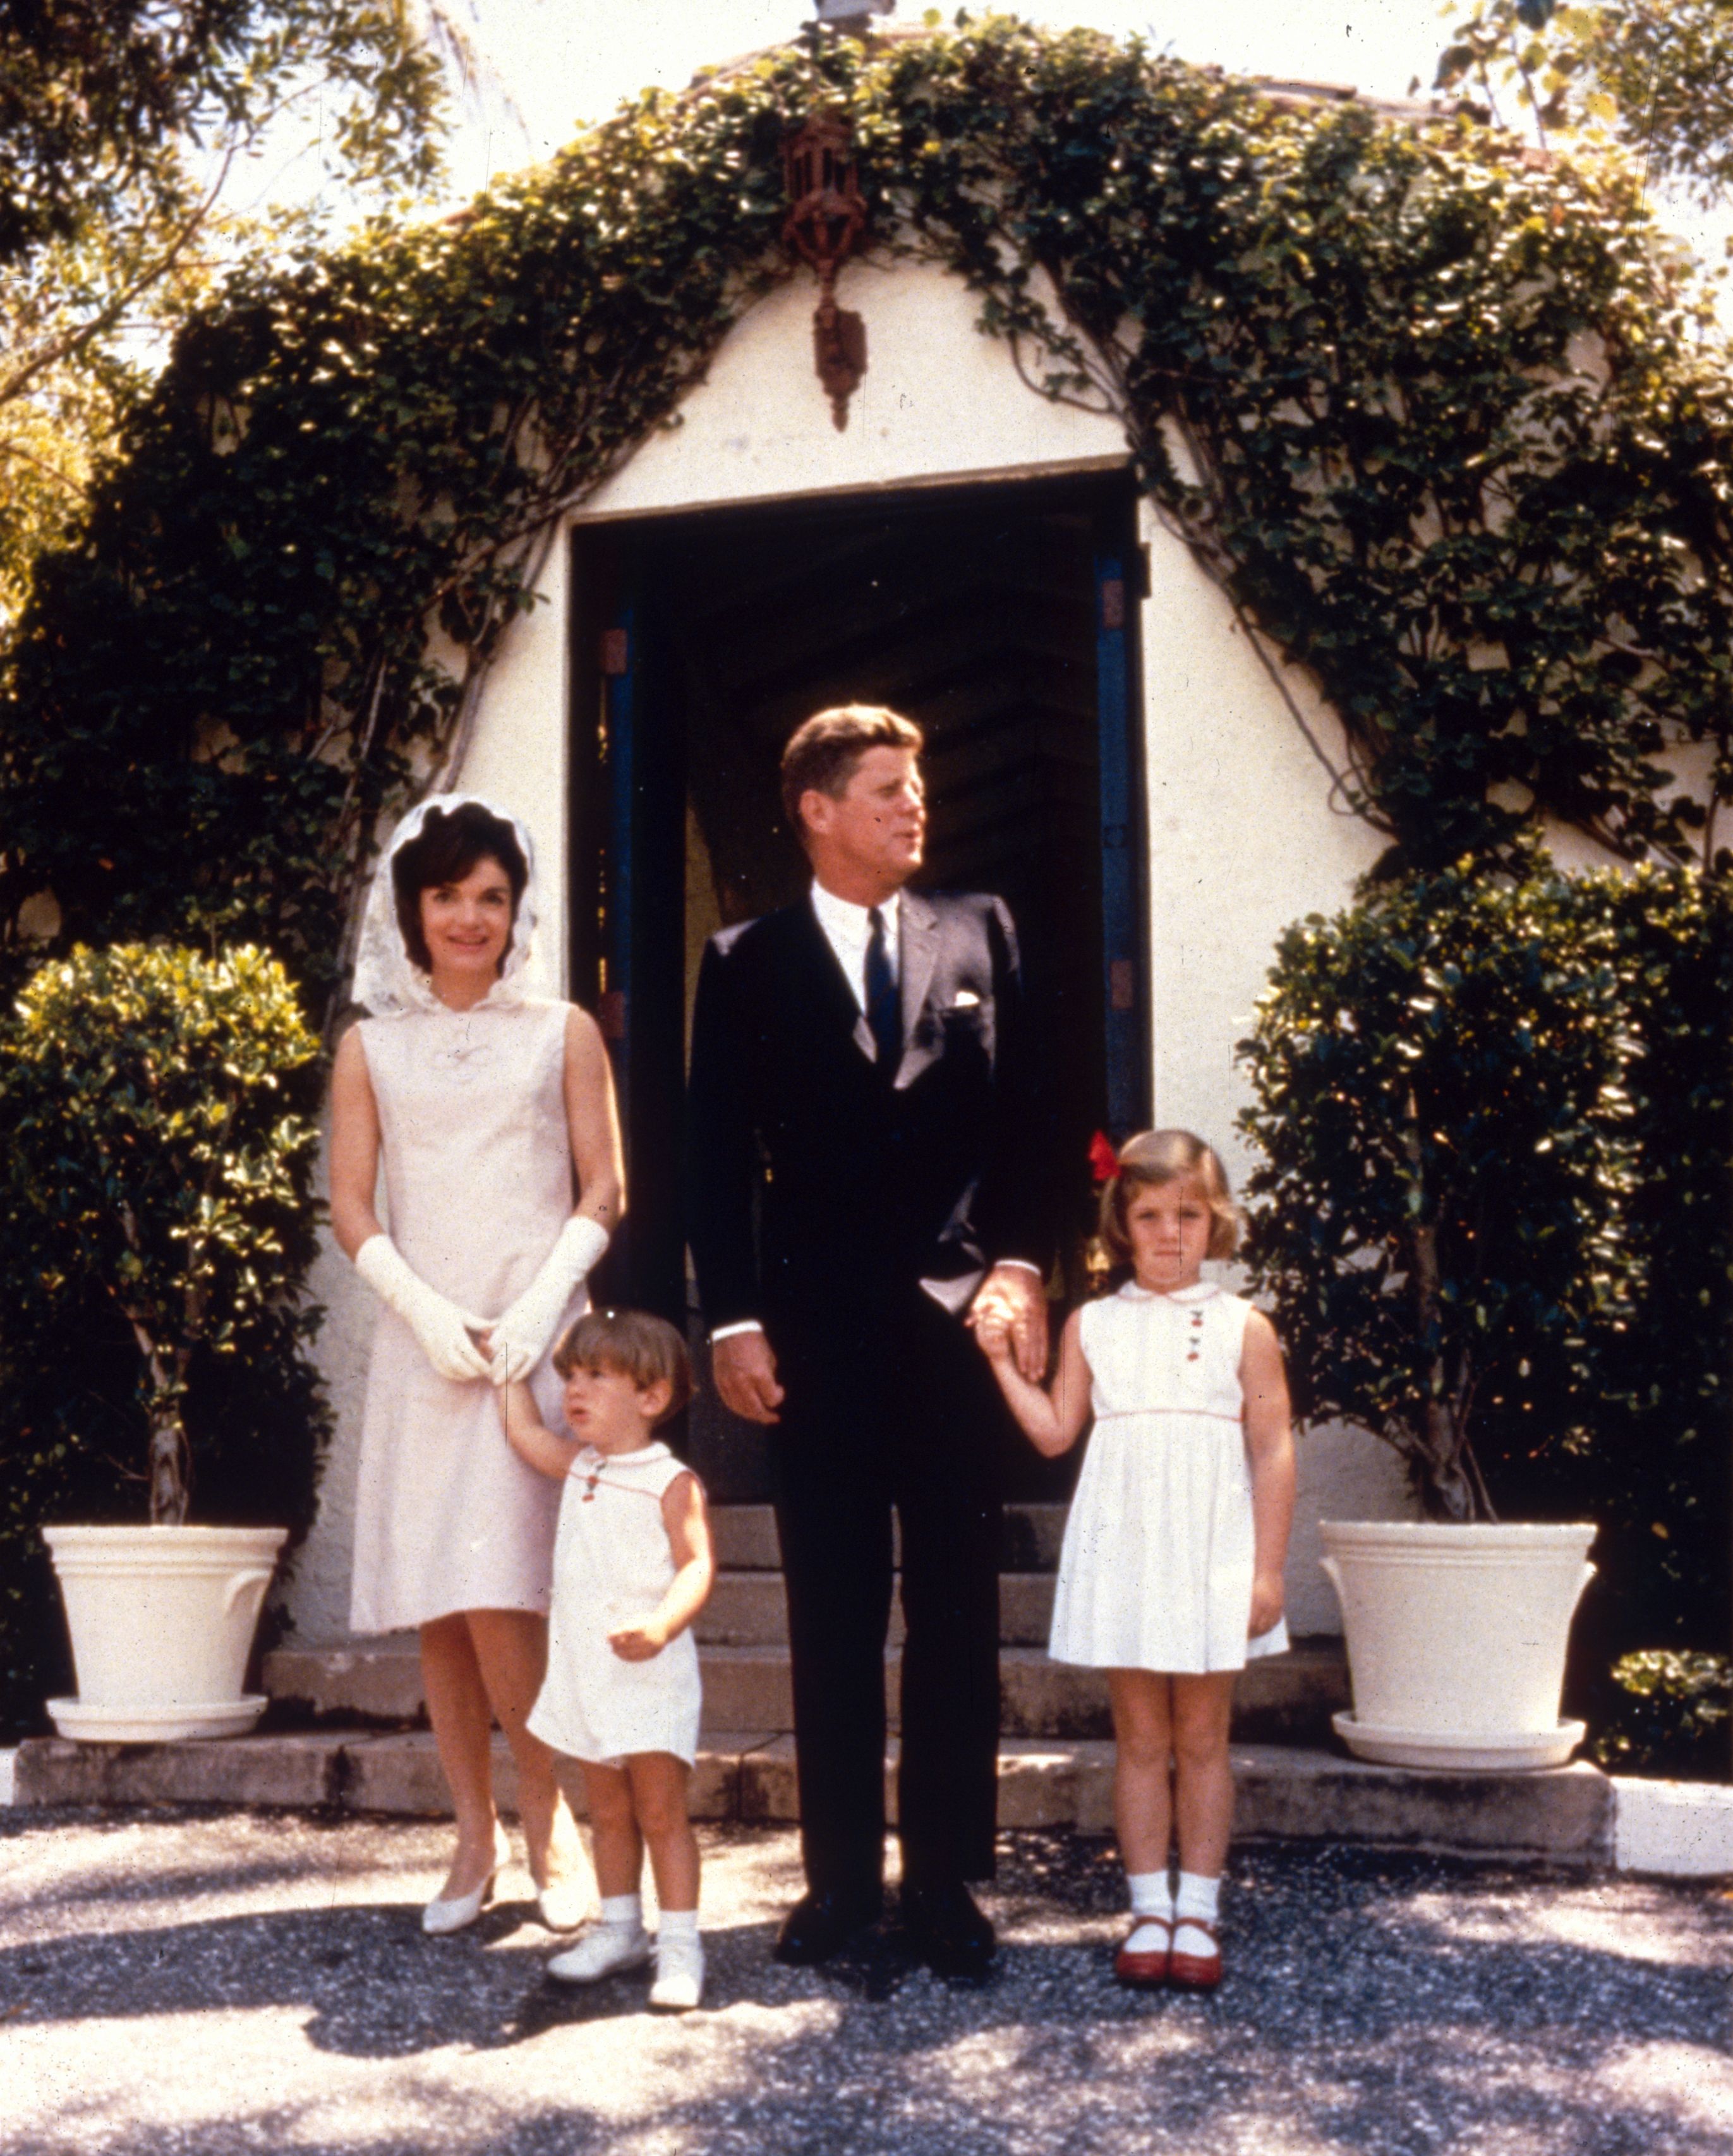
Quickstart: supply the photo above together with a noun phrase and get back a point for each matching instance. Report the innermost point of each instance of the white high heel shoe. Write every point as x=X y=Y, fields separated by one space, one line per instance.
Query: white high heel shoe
x=452 y=1913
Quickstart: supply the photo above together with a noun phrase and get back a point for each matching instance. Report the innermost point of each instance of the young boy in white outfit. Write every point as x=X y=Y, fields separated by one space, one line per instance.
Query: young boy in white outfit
x=633 y=1567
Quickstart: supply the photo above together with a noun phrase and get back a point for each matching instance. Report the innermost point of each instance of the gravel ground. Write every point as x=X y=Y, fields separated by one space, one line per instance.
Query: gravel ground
x=231 y=1981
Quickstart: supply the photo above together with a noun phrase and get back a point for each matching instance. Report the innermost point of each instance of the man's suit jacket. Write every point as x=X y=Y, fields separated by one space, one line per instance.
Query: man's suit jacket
x=812 y=1171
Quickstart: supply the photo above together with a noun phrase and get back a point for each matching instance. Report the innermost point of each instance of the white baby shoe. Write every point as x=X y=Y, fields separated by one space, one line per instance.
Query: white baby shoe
x=563 y=1904
x=680 y=1974
x=602 y=1949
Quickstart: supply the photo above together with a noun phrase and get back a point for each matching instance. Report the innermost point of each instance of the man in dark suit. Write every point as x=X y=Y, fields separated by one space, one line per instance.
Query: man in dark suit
x=866 y=1152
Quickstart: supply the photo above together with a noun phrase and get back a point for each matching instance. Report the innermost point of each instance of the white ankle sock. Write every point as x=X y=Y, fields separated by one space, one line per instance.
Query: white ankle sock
x=1197 y=1896
x=1151 y=1894
x=624 y=1912
x=677 y=1924
x=1152 y=1904
x=1200 y=1898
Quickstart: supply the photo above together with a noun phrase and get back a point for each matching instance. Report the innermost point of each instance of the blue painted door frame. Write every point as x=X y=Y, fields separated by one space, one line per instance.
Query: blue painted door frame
x=1120 y=583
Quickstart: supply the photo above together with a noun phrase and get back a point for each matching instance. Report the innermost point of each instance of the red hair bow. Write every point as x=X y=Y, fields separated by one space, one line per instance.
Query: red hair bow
x=1103 y=1161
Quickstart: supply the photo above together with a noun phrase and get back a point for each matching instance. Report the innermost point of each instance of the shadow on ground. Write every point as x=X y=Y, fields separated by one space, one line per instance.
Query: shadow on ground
x=1390 y=2005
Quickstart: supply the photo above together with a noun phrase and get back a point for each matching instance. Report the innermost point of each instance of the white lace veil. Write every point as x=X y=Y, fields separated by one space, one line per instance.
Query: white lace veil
x=387 y=981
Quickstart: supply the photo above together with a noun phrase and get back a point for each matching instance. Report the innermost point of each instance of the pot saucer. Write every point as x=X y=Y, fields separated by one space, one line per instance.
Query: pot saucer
x=93 y=1724
x=1472 y=1752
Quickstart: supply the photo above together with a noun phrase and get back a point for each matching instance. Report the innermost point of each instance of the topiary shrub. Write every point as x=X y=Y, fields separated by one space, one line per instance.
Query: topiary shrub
x=157 y=1224
x=1495 y=1211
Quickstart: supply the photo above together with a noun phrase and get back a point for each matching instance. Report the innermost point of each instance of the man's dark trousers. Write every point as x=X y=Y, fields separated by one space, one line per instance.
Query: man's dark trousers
x=825 y=1186
x=897 y=1411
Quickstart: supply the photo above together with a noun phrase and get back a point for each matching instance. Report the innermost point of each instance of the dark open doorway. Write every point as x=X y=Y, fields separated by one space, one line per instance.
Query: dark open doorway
x=1002 y=619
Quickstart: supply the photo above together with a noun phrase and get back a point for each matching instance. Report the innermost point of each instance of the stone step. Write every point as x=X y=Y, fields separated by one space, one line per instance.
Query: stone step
x=1280 y=1698
x=750 y=1610
x=744 y=1537
x=372 y=1680
x=1563 y=1815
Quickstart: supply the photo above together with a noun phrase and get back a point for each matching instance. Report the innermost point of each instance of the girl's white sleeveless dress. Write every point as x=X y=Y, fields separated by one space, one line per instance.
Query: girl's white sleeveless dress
x=478 y=1183
x=1156 y=1572
x=613 y=1563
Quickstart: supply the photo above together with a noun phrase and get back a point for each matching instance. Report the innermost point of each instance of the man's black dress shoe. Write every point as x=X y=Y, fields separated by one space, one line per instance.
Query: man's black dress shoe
x=946 y=1930
x=821 y=1924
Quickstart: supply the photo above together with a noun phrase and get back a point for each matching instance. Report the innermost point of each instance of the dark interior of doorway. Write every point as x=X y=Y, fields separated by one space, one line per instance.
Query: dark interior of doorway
x=699 y=642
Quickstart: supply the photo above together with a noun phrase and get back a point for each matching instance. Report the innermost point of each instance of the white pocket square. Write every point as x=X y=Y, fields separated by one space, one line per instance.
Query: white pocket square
x=966 y=999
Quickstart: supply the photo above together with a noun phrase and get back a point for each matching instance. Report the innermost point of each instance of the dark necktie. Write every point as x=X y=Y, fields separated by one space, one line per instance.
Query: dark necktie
x=883 y=1012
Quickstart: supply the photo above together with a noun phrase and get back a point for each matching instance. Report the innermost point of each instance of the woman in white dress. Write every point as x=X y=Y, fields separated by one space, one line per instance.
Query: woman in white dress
x=481 y=1102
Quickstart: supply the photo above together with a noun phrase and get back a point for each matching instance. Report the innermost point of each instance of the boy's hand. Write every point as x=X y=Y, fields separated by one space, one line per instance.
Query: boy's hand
x=643 y=1637
x=1267 y=1597
x=518 y=1413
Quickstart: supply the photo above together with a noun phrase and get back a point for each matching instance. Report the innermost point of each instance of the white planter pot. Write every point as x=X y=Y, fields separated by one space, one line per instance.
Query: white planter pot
x=1456 y=1640
x=162 y=1620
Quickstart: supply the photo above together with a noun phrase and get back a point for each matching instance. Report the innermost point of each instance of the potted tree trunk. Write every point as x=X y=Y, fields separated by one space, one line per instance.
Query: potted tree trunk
x=1438 y=1099
x=158 y=1172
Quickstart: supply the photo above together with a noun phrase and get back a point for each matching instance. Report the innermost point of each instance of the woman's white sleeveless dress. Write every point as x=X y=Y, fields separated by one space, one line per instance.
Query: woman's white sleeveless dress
x=478 y=1183
x=1155 y=1572
x=613 y=1563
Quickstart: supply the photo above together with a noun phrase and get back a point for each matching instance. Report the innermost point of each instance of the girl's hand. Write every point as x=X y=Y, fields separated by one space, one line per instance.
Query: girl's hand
x=993 y=1335
x=640 y=1640
x=1267 y=1597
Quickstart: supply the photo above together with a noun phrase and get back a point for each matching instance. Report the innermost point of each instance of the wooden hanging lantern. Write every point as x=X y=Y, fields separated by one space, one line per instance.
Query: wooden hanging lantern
x=827 y=215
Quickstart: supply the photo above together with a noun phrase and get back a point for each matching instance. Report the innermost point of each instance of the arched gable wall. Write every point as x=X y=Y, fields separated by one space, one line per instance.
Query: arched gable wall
x=1243 y=836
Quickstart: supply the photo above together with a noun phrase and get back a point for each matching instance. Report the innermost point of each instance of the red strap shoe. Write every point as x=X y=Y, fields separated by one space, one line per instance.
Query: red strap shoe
x=1144 y=1971
x=1192 y=1972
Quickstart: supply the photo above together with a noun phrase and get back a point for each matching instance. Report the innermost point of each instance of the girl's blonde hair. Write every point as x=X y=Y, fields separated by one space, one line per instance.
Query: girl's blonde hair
x=1157 y=1156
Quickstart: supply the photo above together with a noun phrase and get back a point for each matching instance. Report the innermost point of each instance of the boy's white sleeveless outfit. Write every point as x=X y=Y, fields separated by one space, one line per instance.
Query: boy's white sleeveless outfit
x=477 y=1157
x=1156 y=1572
x=613 y=1562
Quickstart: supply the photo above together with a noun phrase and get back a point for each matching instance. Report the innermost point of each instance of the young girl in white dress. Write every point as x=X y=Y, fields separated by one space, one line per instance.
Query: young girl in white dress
x=1171 y=1575
x=632 y=1569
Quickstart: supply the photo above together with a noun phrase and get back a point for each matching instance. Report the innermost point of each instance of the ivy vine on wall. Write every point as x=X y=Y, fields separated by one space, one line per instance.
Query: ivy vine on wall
x=1447 y=425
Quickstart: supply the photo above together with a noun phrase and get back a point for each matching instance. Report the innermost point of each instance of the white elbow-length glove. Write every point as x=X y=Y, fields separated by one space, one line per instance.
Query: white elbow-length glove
x=522 y=1337
x=442 y=1328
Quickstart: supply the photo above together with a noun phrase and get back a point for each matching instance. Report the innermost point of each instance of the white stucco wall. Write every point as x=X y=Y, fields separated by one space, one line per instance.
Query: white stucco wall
x=1241 y=835
x=1243 y=839
x=938 y=402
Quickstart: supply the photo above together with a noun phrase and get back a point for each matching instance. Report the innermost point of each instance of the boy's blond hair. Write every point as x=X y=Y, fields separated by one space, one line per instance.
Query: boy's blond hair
x=646 y=1349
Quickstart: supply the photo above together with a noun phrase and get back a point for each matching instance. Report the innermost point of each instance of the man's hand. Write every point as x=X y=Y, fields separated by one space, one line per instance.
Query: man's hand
x=1013 y=1295
x=744 y=1369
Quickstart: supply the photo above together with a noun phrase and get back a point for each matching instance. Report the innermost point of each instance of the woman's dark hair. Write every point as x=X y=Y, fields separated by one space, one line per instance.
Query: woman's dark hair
x=449 y=844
